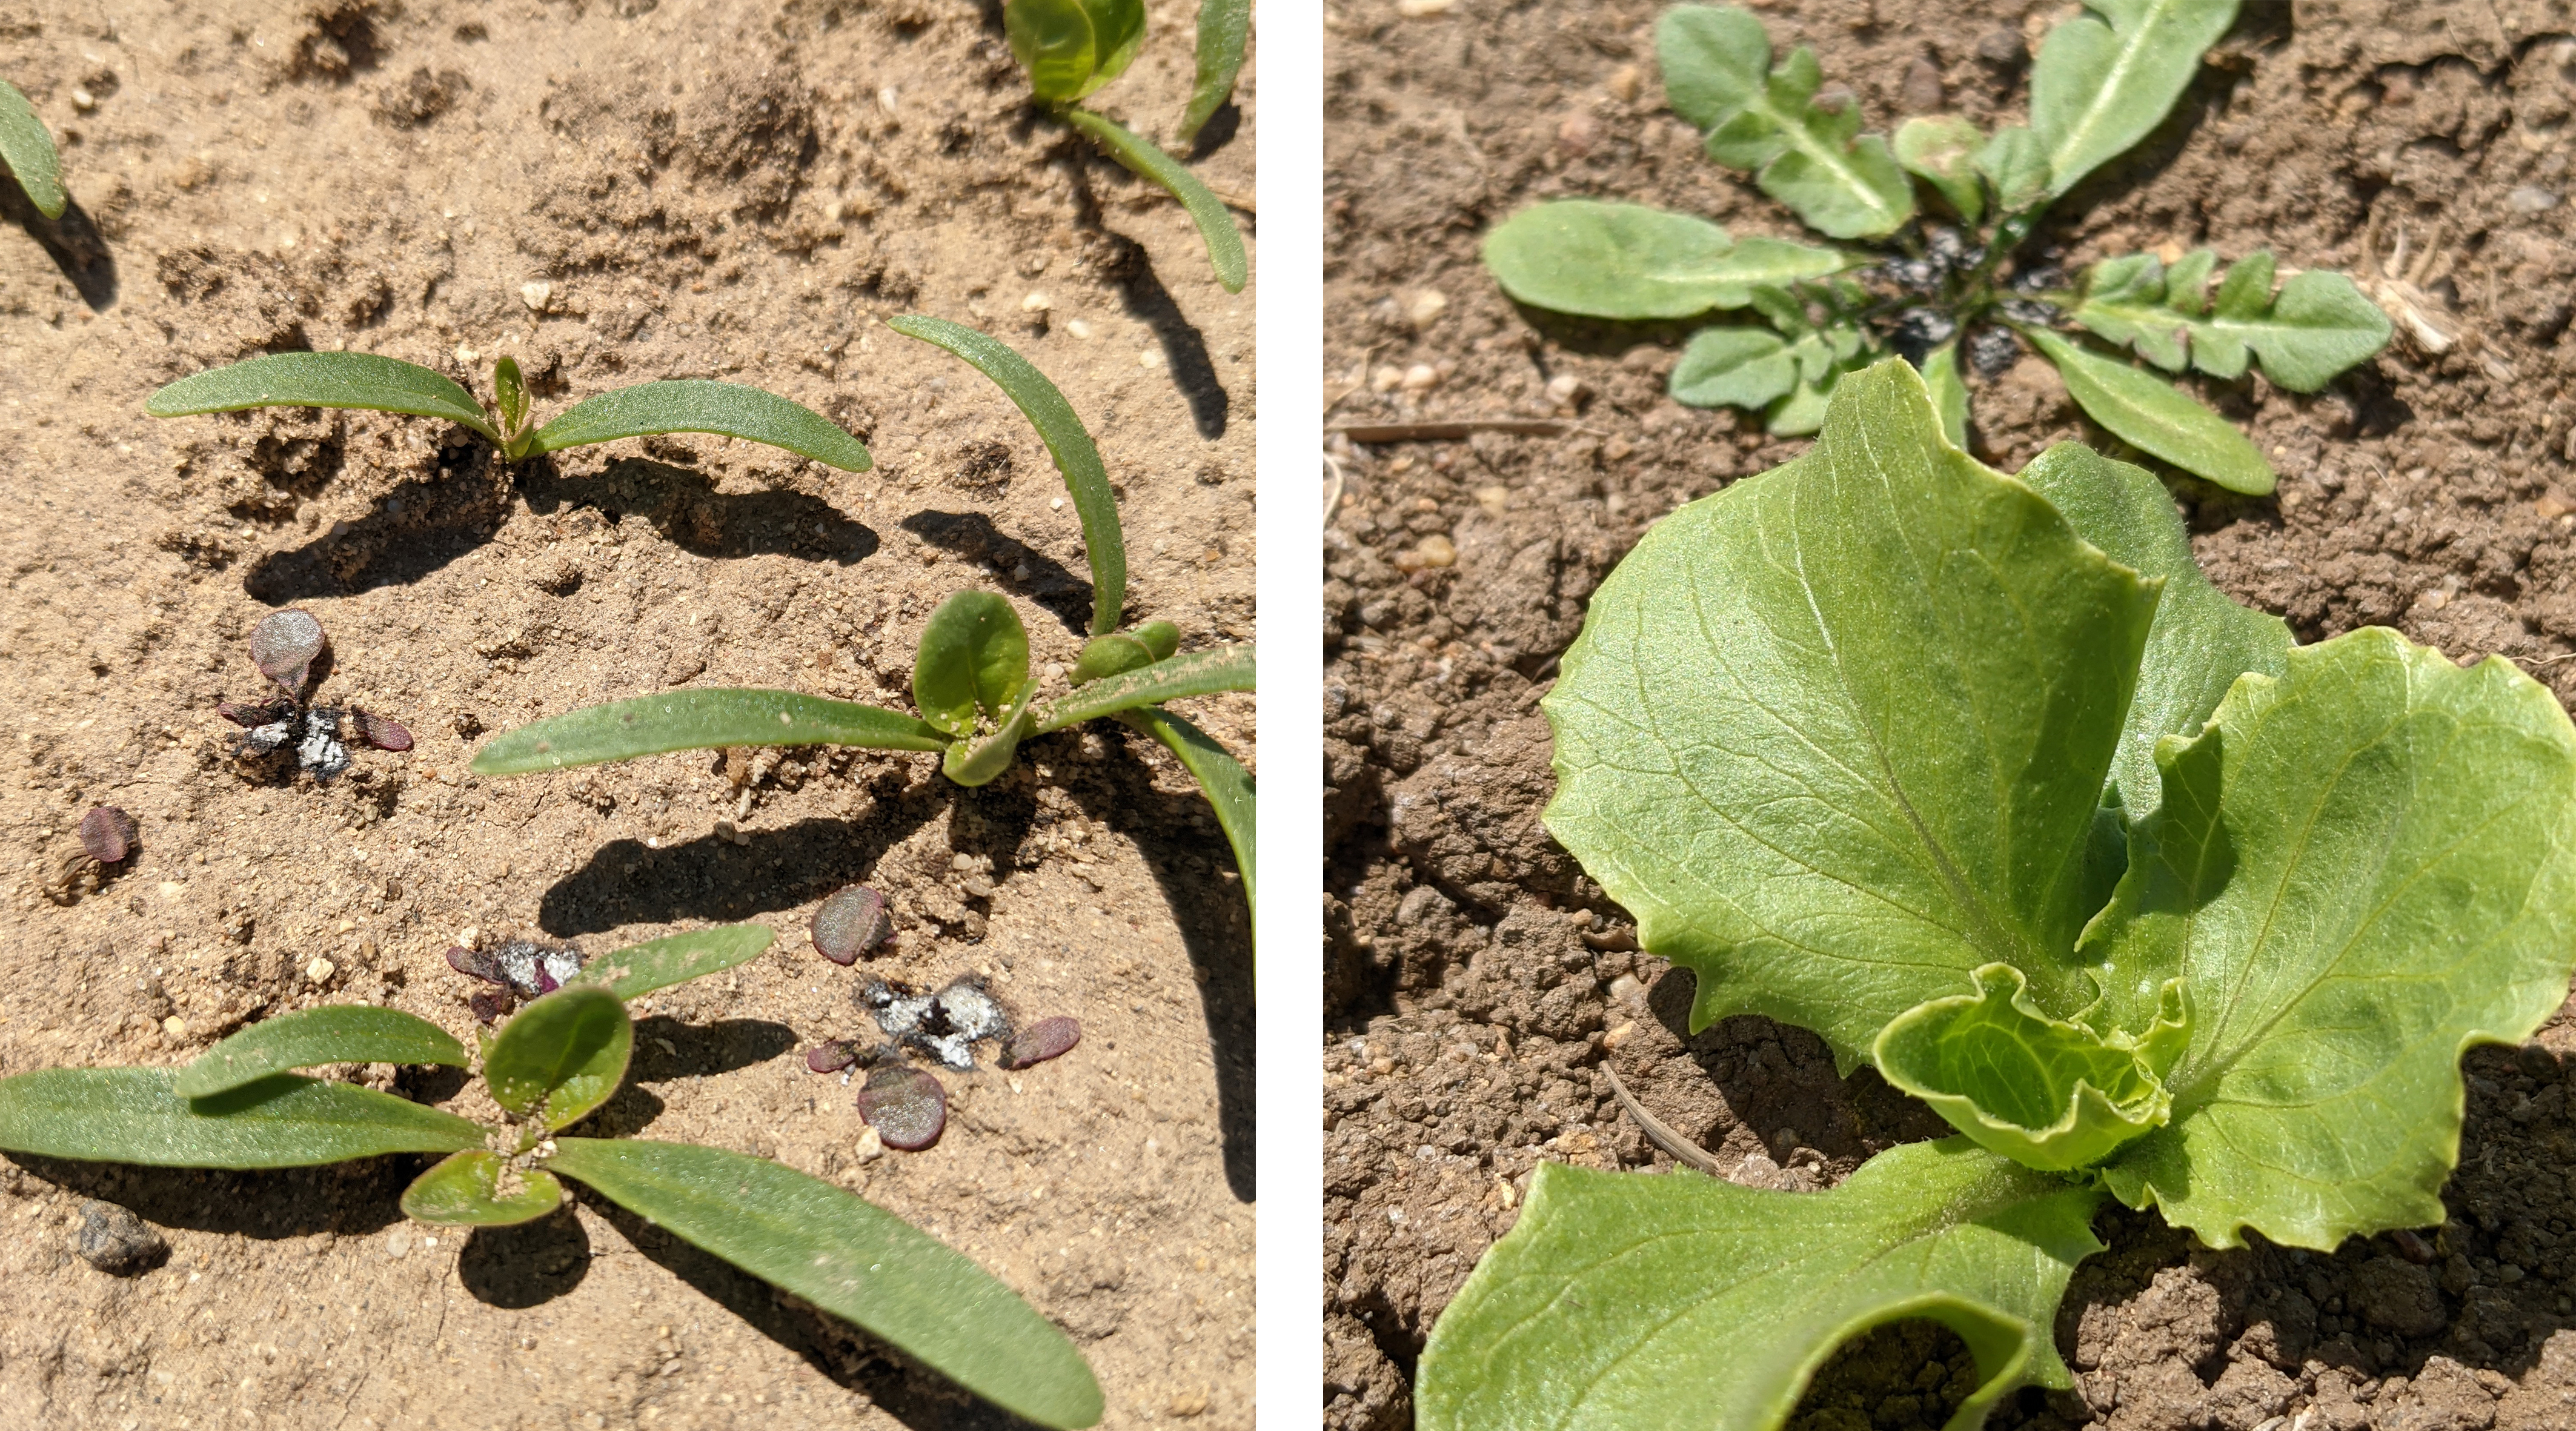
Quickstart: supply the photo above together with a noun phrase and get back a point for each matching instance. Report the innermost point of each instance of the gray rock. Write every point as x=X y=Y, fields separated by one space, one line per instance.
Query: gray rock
x=112 y=1239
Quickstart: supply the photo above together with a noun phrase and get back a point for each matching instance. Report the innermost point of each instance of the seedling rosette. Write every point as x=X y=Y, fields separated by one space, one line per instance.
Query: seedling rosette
x=1980 y=778
x=241 y=1105
x=1942 y=285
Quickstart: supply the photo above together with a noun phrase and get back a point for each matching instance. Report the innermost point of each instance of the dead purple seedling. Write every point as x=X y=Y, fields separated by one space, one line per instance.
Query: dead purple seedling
x=523 y=968
x=1040 y=1041
x=107 y=837
x=851 y=923
x=906 y=1106
x=107 y=834
x=831 y=1056
x=945 y=1025
x=285 y=645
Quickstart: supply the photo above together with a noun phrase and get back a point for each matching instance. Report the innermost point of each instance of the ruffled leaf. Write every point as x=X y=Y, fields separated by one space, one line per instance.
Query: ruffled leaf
x=2318 y=325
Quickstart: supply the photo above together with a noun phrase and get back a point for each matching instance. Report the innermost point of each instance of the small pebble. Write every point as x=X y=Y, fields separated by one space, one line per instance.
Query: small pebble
x=850 y=923
x=1423 y=9
x=871 y=1146
x=284 y=644
x=1035 y=303
x=320 y=969
x=906 y=1106
x=83 y=100
x=1420 y=378
x=2529 y=199
x=113 y=1240
x=538 y=295
x=1040 y=1041
x=175 y=1026
x=1626 y=84
x=398 y=1242
x=107 y=833
x=1921 y=90
x=1422 y=307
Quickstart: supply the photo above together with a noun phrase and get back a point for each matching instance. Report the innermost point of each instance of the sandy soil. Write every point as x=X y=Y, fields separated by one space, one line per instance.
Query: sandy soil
x=702 y=190
x=1477 y=984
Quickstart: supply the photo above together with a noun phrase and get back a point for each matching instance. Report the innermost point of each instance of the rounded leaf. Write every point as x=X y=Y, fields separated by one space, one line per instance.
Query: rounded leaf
x=1073 y=47
x=284 y=646
x=477 y=1188
x=1609 y=260
x=850 y=923
x=1734 y=367
x=974 y=656
x=107 y=834
x=561 y=1056
x=1040 y=1041
x=905 y=1105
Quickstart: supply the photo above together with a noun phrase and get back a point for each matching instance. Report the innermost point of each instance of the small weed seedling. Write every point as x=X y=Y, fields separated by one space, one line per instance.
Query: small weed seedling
x=240 y=1105
x=1990 y=787
x=107 y=838
x=1072 y=47
x=286 y=645
x=373 y=383
x=1936 y=287
x=28 y=149
x=970 y=678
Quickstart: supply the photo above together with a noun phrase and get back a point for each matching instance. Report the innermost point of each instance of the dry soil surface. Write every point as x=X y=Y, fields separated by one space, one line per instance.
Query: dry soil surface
x=610 y=192
x=1478 y=984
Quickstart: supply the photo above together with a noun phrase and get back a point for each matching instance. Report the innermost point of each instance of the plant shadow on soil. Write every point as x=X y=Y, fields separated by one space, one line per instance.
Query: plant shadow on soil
x=73 y=242
x=973 y=536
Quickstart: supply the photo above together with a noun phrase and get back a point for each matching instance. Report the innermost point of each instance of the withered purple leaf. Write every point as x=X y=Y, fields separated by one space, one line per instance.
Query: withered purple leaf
x=850 y=923
x=107 y=833
x=382 y=732
x=905 y=1105
x=284 y=644
x=1040 y=1041
x=831 y=1056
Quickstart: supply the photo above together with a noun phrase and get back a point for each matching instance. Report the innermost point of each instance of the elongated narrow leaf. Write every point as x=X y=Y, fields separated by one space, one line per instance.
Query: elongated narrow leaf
x=2317 y=326
x=1627 y=261
x=135 y=1115
x=973 y=658
x=1216 y=226
x=709 y=719
x=28 y=149
x=338 y=1033
x=1224 y=28
x=1073 y=47
x=1067 y=441
x=2103 y=80
x=1637 y=1299
x=1941 y=150
x=1835 y=735
x=2202 y=640
x=727 y=409
x=1718 y=75
x=467 y=1189
x=2362 y=867
x=853 y=1260
x=1734 y=366
x=1200 y=673
x=366 y=381
x=674 y=959
x=1227 y=785
x=561 y=1056
x=1949 y=393
x=2149 y=414
x=509 y=398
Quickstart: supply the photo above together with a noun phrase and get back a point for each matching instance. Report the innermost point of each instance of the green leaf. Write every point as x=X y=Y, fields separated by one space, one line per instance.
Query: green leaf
x=674 y=959
x=135 y=1115
x=1835 y=735
x=2046 y=1093
x=1742 y=367
x=1073 y=47
x=1224 y=27
x=1627 y=261
x=1812 y=158
x=1941 y=150
x=1949 y=393
x=2105 y=80
x=853 y=1260
x=1216 y=227
x=510 y=398
x=1107 y=656
x=561 y=1056
x=976 y=762
x=710 y=719
x=1637 y=1299
x=2318 y=325
x=337 y=1033
x=1227 y=785
x=465 y=1190
x=365 y=381
x=1085 y=480
x=2149 y=414
x=726 y=409
x=2361 y=868
x=974 y=656
x=28 y=149
x=2202 y=640
x=1200 y=673
x=2015 y=162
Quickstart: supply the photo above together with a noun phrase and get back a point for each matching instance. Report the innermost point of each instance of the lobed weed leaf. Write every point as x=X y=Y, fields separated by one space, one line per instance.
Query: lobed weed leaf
x=2318 y=325
x=1806 y=152
x=2149 y=414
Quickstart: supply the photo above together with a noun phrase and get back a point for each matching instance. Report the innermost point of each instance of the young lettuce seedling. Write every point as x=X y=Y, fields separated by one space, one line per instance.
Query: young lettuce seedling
x=1072 y=47
x=241 y=1105
x=1995 y=791
x=374 y=383
x=1937 y=291
x=28 y=149
x=970 y=676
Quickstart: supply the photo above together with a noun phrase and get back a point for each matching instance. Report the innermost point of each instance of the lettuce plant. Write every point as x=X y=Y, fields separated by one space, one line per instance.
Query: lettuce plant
x=970 y=675
x=1980 y=778
x=28 y=151
x=1945 y=288
x=375 y=383
x=1073 y=47
x=242 y=1105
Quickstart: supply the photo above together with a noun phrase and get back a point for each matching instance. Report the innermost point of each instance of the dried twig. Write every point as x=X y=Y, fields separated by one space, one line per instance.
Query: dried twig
x=1660 y=1133
x=1451 y=430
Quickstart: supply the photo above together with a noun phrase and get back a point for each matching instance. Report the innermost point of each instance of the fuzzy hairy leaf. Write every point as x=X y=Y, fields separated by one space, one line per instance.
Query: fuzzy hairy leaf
x=2363 y=866
x=674 y=959
x=28 y=149
x=1718 y=75
x=1627 y=261
x=2317 y=326
x=1216 y=226
x=974 y=657
x=1632 y=1299
x=1222 y=778
x=1072 y=47
x=1941 y=150
x=695 y=405
x=135 y=1115
x=336 y=1033
x=853 y=1260
x=2104 y=80
x=707 y=719
x=1200 y=673
x=464 y=1190
x=365 y=381
x=1224 y=28
x=1736 y=366
x=2015 y=163
x=561 y=1056
x=2201 y=641
x=1835 y=735
x=2149 y=414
